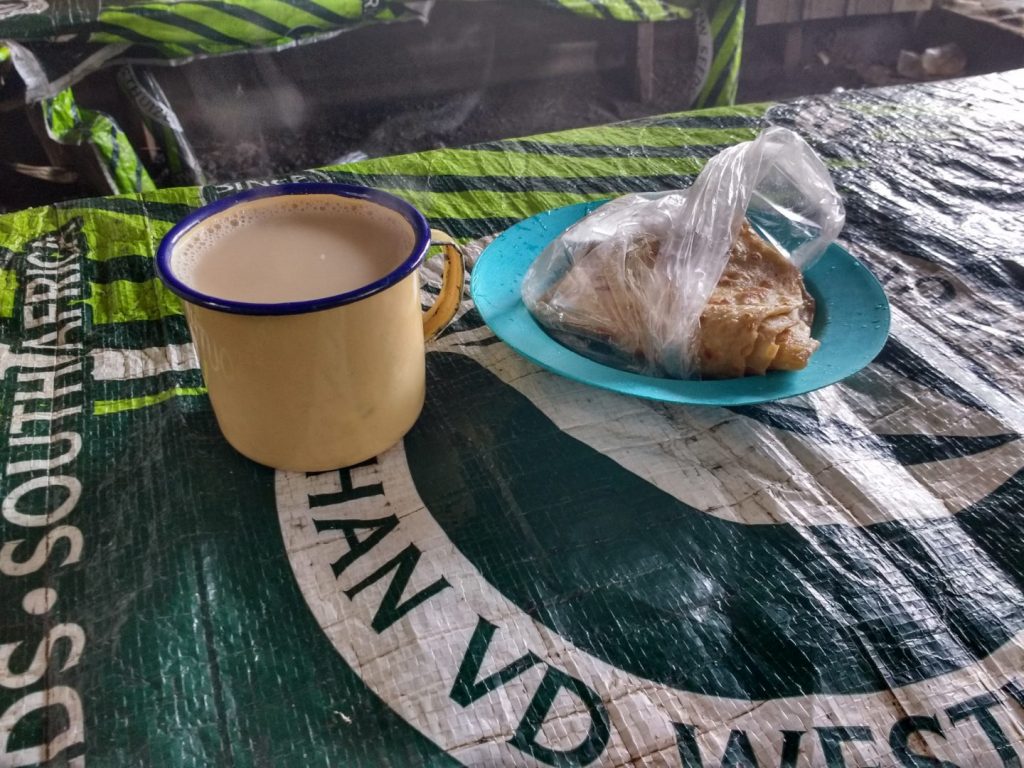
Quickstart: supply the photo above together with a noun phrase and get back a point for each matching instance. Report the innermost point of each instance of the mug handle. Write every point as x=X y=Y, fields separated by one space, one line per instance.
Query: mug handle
x=437 y=318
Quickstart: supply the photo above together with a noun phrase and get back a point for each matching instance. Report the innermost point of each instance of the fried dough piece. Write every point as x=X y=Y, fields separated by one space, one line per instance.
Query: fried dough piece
x=757 y=319
x=759 y=316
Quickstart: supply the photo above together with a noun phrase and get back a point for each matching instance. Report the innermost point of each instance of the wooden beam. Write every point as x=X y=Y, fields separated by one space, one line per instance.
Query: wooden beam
x=869 y=7
x=778 y=11
x=824 y=9
x=904 y=6
x=645 y=62
x=794 y=49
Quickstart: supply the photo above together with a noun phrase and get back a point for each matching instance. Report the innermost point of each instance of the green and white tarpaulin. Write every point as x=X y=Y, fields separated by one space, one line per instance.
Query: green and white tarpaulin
x=105 y=32
x=67 y=123
x=541 y=573
x=55 y=45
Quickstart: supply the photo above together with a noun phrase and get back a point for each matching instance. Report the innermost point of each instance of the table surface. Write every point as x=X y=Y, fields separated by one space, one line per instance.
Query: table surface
x=542 y=573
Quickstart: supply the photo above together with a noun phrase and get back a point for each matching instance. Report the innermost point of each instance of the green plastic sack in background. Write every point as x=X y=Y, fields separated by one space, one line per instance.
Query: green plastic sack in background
x=67 y=123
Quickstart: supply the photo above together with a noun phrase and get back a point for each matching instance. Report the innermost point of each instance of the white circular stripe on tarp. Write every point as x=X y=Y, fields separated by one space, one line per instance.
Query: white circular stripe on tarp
x=764 y=475
x=412 y=664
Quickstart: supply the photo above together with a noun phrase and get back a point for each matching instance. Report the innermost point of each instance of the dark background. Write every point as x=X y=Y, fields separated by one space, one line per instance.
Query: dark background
x=478 y=71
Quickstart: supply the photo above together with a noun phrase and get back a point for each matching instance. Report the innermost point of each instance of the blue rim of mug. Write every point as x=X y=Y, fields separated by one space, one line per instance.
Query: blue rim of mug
x=415 y=219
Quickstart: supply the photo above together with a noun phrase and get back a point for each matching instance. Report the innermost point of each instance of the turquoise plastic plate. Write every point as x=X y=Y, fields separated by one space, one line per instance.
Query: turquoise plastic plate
x=851 y=322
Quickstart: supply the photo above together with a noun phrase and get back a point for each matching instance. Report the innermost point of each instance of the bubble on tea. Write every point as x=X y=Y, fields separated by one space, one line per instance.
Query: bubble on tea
x=281 y=249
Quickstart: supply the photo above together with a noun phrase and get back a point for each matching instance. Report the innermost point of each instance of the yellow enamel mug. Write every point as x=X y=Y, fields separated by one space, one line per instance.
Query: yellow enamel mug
x=324 y=382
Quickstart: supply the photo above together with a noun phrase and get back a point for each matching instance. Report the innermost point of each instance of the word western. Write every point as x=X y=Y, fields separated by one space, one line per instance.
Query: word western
x=834 y=741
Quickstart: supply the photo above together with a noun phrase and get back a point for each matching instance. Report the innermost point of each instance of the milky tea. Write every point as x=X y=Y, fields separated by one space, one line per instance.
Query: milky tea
x=294 y=248
x=304 y=305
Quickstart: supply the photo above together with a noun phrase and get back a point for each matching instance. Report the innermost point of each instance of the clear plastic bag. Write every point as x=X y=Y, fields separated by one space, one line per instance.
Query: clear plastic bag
x=660 y=256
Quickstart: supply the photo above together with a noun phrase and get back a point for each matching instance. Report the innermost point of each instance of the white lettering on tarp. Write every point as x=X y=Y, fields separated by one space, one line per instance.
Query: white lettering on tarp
x=52 y=289
x=47 y=389
x=33 y=519
x=842 y=745
x=557 y=716
x=58 y=696
x=44 y=437
x=28 y=360
x=127 y=364
x=469 y=687
x=294 y=178
x=47 y=266
x=20 y=416
x=69 y=320
x=41 y=307
x=46 y=545
x=498 y=663
x=69 y=264
x=69 y=442
x=33 y=318
x=33 y=673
